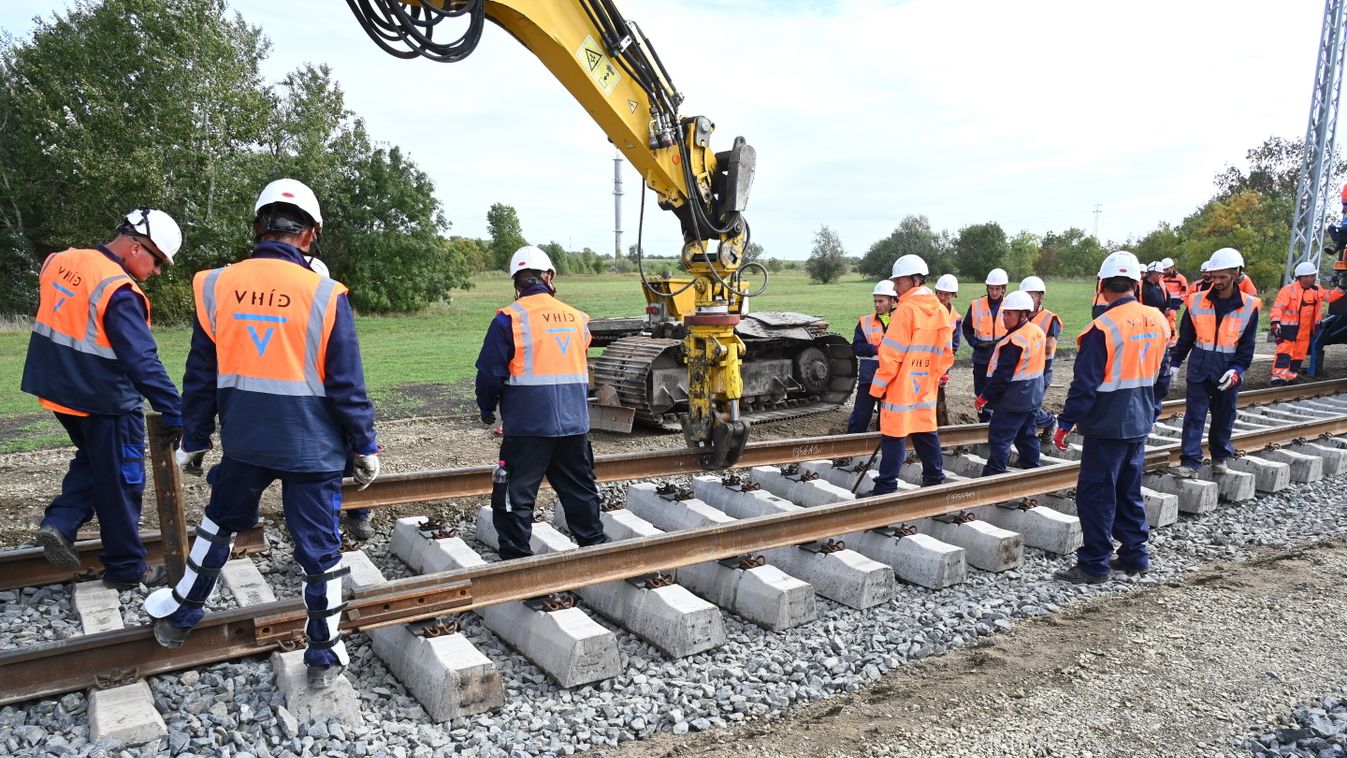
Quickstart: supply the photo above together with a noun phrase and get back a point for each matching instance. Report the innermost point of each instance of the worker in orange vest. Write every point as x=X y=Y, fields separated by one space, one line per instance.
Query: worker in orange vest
x=1014 y=387
x=1219 y=329
x=92 y=361
x=1203 y=284
x=914 y=358
x=865 y=346
x=1295 y=314
x=275 y=355
x=1051 y=324
x=1120 y=379
x=982 y=328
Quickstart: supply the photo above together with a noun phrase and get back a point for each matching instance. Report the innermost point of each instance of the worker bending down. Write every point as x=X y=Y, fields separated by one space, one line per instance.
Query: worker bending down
x=865 y=345
x=1014 y=387
x=1120 y=379
x=1218 y=330
x=914 y=358
x=982 y=328
x=1295 y=314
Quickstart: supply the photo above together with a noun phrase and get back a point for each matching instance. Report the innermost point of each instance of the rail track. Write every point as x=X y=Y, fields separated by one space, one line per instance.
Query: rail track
x=116 y=657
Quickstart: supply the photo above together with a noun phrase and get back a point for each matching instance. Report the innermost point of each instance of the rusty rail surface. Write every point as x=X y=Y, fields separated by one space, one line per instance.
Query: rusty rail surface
x=446 y=484
x=58 y=667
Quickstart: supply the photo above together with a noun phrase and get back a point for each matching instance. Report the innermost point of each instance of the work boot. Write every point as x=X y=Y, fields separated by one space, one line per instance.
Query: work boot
x=1076 y=575
x=1184 y=472
x=1117 y=565
x=323 y=677
x=168 y=635
x=1045 y=434
x=1278 y=382
x=57 y=548
x=155 y=576
x=1220 y=467
x=360 y=525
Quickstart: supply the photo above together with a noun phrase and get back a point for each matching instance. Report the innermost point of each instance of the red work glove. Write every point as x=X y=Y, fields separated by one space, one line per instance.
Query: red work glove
x=498 y=431
x=944 y=379
x=980 y=403
x=1059 y=439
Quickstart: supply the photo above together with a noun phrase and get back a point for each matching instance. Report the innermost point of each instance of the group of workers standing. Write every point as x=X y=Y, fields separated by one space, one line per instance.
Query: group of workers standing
x=1147 y=321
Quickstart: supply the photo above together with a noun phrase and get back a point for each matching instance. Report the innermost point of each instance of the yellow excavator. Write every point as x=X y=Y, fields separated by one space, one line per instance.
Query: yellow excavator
x=609 y=66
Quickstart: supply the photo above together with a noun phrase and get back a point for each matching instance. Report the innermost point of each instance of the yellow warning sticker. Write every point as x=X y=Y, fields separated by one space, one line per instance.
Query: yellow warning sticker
x=599 y=66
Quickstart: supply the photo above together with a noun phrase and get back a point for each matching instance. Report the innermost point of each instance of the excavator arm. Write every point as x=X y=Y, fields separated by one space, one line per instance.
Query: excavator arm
x=608 y=65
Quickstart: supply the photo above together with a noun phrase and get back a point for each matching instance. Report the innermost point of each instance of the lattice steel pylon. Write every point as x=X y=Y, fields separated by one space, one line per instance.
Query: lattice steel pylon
x=1314 y=193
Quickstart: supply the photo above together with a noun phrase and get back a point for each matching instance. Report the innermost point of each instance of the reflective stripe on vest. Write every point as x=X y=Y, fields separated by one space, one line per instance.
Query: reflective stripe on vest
x=984 y=323
x=551 y=341
x=1135 y=336
x=1043 y=320
x=1292 y=300
x=909 y=407
x=1032 y=343
x=73 y=299
x=872 y=328
x=270 y=320
x=1231 y=328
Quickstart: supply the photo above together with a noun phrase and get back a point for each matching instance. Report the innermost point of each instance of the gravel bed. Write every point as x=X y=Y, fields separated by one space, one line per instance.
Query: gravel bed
x=33 y=615
x=233 y=709
x=1313 y=730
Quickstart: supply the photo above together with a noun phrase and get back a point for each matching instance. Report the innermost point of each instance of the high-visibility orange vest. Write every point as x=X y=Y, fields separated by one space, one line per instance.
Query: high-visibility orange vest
x=1297 y=306
x=1225 y=339
x=1025 y=392
x=1176 y=285
x=71 y=365
x=1043 y=320
x=913 y=356
x=1247 y=286
x=551 y=342
x=1136 y=338
x=872 y=328
x=986 y=326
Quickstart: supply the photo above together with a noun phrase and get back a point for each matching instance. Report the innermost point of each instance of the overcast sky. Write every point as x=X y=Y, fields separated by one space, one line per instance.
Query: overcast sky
x=1027 y=113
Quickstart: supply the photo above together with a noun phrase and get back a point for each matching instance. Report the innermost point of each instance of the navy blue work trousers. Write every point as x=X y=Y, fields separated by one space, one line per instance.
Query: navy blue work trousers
x=1043 y=418
x=864 y=412
x=1006 y=429
x=1204 y=397
x=893 y=454
x=568 y=464
x=980 y=383
x=1109 y=504
x=106 y=478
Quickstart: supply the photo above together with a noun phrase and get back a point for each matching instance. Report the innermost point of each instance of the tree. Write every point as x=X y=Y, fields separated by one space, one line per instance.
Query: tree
x=828 y=260
x=502 y=222
x=980 y=248
x=1250 y=222
x=774 y=265
x=1024 y=252
x=913 y=236
x=1071 y=253
x=1160 y=243
x=753 y=252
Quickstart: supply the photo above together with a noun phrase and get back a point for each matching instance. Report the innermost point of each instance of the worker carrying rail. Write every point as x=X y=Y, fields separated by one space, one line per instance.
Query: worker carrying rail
x=982 y=328
x=92 y=361
x=1121 y=376
x=914 y=359
x=865 y=346
x=1014 y=387
x=533 y=366
x=1295 y=315
x=274 y=354
x=1218 y=329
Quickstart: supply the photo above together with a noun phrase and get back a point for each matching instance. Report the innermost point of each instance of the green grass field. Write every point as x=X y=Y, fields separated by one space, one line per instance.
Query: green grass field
x=410 y=360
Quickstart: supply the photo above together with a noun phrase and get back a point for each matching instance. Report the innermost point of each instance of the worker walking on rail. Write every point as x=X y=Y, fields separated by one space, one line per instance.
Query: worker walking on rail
x=532 y=365
x=1014 y=387
x=1295 y=314
x=275 y=355
x=982 y=328
x=914 y=358
x=92 y=361
x=1051 y=324
x=1218 y=329
x=1121 y=376
x=865 y=345
x=946 y=290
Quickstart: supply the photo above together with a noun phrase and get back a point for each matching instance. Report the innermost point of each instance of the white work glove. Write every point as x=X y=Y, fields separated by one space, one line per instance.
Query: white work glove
x=1229 y=379
x=366 y=469
x=190 y=463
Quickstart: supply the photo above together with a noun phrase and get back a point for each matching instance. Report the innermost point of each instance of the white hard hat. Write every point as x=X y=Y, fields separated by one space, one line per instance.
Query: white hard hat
x=1307 y=269
x=1018 y=301
x=909 y=265
x=885 y=287
x=1167 y=263
x=318 y=266
x=530 y=257
x=1033 y=284
x=1154 y=267
x=998 y=276
x=1226 y=257
x=1121 y=263
x=1205 y=267
x=291 y=192
x=157 y=227
x=947 y=283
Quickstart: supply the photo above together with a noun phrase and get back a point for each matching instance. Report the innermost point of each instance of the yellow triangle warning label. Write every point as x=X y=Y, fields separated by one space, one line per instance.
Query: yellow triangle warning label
x=594 y=59
x=632 y=105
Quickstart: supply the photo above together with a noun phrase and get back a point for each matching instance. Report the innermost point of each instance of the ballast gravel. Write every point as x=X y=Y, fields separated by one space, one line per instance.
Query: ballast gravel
x=1313 y=730
x=234 y=709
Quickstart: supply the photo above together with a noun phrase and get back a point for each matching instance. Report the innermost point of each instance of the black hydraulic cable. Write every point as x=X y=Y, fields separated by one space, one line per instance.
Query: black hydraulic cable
x=386 y=21
x=640 y=253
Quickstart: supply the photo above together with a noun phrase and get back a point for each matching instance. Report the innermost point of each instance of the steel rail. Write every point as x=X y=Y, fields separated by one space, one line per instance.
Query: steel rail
x=446 y=484
x=58 y=667
x=28 y=567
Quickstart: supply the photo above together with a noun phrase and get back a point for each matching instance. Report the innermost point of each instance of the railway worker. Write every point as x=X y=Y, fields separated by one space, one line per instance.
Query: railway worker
x=865 y=345
x=1219 y=329
x=1153 y=291
x=1100 y=304
x=1176 y=289
x=274 y=353
x=1051 y=324
x=1203 y=284
x=1295 y=314
x=1014 y=386
x=914 y=359
x=946 y=290
x=93 y=361
x=982 y=329
x=532 y=364
x=1244 y=283
x=1120 y=378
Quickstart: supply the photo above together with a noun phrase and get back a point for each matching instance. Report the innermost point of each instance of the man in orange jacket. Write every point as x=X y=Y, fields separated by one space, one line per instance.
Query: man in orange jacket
x=1295 y=314
x=914 y=356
